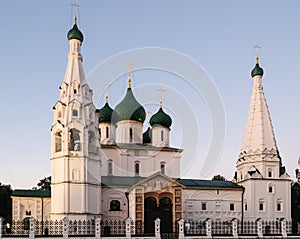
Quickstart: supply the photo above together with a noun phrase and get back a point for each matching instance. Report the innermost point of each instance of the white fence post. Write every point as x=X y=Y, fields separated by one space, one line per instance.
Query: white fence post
x=31 y=227
x=234 y=228
x=1 y=227
x=259 y=229
x=181 y=229
x=65 y=228
x=208 y=228
x=128 y=227
x=283 y=228
x=98 y=228
x=157 y=228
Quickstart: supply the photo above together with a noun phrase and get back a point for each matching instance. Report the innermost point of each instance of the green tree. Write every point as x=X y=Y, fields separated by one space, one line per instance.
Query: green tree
x=6 y=202
x=219 y=177
x=45 y=183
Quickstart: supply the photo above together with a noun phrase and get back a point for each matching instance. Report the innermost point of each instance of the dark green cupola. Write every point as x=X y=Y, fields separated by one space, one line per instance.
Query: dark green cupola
x=105 y=114
x=129 y=109
x=161 y=119
x=147 y=136
x=75 y=33
x=257 y=70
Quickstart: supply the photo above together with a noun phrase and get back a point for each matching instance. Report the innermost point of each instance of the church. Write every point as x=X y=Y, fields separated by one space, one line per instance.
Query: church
x=104 y=165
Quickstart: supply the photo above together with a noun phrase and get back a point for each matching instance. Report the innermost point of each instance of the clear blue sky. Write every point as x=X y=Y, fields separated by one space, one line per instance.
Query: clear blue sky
x=219 y=35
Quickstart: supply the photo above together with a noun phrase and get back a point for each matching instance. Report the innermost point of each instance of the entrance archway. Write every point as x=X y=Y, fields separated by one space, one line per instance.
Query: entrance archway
x=163 y=211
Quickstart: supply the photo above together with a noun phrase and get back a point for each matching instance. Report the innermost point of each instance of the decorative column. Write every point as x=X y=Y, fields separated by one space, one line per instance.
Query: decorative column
x=128 y=227
x=283 y=228
x=181 y=229
x=157 y=228
x=31 y=227
x=259 y=229
x=98 y=228
x=234 y=228
x=65 y=228
x=208 y=228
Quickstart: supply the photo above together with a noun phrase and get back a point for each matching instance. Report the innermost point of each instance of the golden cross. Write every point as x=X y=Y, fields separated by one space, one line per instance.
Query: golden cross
x=256 y=49
x=107 y=85
x=75 y=5
x=160 y=96
x=129 y=73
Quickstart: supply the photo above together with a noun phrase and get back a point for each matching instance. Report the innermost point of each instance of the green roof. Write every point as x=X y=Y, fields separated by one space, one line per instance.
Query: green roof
x=105 y=114
x=197 y=183
x=161 y=118
x=75 y=33
x=31 y=193
x=129 y=109
x=123 y=181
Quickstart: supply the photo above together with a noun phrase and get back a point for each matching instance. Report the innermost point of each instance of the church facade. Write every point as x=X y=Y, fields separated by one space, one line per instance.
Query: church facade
x=104 y=165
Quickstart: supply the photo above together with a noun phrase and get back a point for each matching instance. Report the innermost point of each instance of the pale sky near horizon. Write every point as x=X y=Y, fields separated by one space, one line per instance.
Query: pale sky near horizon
x=218 y=35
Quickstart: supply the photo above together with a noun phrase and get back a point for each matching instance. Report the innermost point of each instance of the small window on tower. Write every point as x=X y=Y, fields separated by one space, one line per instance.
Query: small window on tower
x=203 y=206
x=231 y=207
x=162 y=135
x=75 y=91
x=75 y=113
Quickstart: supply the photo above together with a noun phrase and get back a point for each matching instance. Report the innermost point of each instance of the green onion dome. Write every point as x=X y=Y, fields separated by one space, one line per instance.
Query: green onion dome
x=105 y=114
x=257 y=70
x=147 y=136
x=75 y=33
x=161 y=118
x=129 y=109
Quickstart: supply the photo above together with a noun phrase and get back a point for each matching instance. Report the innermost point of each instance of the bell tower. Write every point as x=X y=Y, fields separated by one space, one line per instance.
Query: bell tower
x=75 y=146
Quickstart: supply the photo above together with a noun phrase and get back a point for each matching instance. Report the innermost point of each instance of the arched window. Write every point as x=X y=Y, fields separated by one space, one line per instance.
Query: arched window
x=279 y=205
x=107 y=132
x=114 y=205
x=162 y=168
x=58 y=141
x=162 y=135
x=74 y=138
x=261 y=204
x=110 y=167
x=271 y=188
x=130 y=135
x=137 y=168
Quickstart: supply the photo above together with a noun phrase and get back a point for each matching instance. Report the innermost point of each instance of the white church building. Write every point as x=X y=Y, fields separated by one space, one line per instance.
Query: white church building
x=104 y=165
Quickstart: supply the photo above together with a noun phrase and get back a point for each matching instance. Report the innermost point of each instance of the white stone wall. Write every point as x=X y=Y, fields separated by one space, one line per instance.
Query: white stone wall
x=217 y=204
x=160 y=136
x=257 y=191
x=150 y=161
x=123 y=135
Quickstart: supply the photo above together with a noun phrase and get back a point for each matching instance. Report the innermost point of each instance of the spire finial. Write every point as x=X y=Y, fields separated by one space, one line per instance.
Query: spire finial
x=75 y=5
x=129 y=73
x=256 y=48
x=107 y=85
x=149 y=114
x=161 y=91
